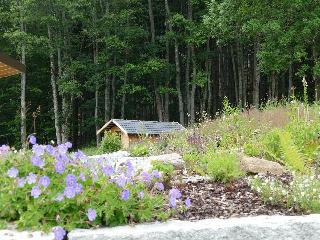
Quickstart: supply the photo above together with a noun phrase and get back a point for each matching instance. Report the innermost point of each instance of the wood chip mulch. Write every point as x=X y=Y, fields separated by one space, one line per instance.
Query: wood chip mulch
x=219 y=200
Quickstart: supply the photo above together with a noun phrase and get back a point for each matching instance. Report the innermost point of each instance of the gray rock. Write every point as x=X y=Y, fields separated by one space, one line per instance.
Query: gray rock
x=259 y=165
x=249 y=228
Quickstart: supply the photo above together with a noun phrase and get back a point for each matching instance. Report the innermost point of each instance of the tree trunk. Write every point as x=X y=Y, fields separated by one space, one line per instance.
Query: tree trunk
x=123 y=100
x=240 y=73
x=234 y=69
x=193 y=87
x=273 y=86
x=178 y=70
x=290 y=84
x=151 y=17
x=96 y=95
x=23 y=91
x=316 y=79
x=166 y=95
x=208 y=70
x=54 y=89
x=113 y=86
x=256 y=79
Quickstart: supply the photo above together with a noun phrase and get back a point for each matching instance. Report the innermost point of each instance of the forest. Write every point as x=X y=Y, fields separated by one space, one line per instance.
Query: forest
x=89 y=61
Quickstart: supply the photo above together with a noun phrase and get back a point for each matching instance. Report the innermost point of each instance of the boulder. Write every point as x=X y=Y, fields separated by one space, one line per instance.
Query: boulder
x=260 y=165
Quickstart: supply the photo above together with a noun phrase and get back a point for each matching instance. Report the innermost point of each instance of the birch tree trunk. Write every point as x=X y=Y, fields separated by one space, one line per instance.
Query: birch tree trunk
x=23 y=90
x=54 y=89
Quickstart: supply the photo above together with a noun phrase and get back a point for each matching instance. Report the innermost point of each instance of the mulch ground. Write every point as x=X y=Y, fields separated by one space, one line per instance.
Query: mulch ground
x=219 y=200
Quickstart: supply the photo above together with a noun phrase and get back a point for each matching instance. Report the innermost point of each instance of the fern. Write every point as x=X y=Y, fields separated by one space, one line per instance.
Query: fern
x=290 y=153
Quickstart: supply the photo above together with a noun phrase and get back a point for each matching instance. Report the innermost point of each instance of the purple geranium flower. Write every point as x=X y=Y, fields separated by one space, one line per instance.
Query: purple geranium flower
x=92 y=214
x=174 y=193
x=21 y=182
x=36 y=192
x=108 y=170
x=44 y=181
x=188 y=202
x=59 y=167
x=68 y=144
x=125 y=194
x=79 y=188
x=62 y=149
x=156 y=174
x=60 y=197
x=82 y=177
x=4 y=149
x=13 y=172
x=32 y=140
x=38 y=150
x=173 y=202
x=50 y=150
x=121 y=181
x=71 y=180
x=37 y=161
x=70 y=192
x=159 y=186
x=31 y=178
x=59 y=233
x=146 y=177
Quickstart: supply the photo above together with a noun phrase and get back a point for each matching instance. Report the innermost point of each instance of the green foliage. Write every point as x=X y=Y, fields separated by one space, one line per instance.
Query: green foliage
x=224 y=167
x=252 y=149
x=167 y=169
x=301 y=193
x=221 y=166
x=139 y=150
x=111 y=142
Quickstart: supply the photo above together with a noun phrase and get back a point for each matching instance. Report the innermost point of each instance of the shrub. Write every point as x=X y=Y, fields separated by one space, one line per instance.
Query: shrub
x=140 y=150
x=111 y=142
x=224 y=167
x=167 y=169
x=253 y=150
x=49 y=187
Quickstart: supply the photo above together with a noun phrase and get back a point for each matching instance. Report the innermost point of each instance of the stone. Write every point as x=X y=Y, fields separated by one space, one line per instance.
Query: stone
x=249 y=228
x=259 y=165
x=142 y=163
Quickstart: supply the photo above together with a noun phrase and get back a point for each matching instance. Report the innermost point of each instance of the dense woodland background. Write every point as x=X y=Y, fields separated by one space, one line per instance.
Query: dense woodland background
x=170 y=60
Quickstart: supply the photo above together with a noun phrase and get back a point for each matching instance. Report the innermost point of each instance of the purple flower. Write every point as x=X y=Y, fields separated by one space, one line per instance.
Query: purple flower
x=59 y=167
x=79 y=188
x=59 y=233
x=156 y=174
x=130 y=169
x=32 y=140
x=70 y=192
x=35 y=192
x=71 y=180
x=108 y=170
x=44 y=181
x=31 y=178
x=21 y=182
x=37 y=161
x=159 y=186
x=121 y=181
x=50 y=150
x=38 y=150
x=125 y=195
x=146 y=177
x=68 y=144
x=173 y=202
x=60 y=197
x=174 y=193
x=82 y=177
x=4 y=149
x=62 y=149
x=188 y=202
x=92 y=214
x=80 y=155
x=13 y=172
x=141 y=194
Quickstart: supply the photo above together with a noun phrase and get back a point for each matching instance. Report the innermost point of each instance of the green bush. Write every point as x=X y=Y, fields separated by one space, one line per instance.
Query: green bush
x=111 y=142
x=271 y=143
x=224 y=167
x=167 y=169
x=139 y=150
x=253 y=150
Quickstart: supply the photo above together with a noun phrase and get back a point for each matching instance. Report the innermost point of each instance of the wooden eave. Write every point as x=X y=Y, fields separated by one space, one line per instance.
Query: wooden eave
x=10 y=66
x=109 y=125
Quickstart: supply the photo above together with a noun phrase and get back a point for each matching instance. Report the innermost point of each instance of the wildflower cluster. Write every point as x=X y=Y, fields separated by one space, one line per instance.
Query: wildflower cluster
x=70 y=190
x=4 y=149
x=302 y=192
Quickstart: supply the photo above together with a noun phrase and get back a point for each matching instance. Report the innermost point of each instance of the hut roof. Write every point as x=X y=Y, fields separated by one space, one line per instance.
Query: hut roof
x=142 y=127
x=10 y=66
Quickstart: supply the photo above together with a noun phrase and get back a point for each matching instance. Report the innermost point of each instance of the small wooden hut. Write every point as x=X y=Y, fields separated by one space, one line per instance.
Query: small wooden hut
x=132 y=131
x=10 y=66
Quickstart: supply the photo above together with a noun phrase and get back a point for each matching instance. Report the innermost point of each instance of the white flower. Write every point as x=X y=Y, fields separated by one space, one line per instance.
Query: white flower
x=302 y=194
x=270 y=198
